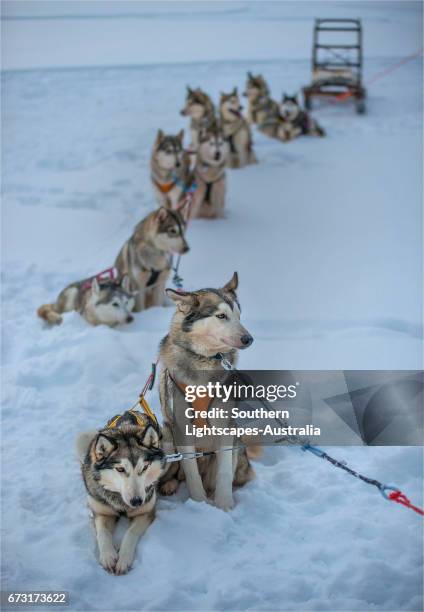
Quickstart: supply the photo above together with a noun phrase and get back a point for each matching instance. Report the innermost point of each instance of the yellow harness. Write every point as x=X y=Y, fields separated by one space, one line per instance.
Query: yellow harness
x=140 y=422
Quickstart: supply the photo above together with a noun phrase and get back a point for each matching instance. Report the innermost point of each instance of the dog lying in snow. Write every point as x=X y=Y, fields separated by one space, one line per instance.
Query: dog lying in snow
x=297 y=121
x=209 y=174
x=236 y=131
x=121 y=465
x=199 y=107
x=145 y=258
x=205 y=328
x=170 y=169
x=100 y=300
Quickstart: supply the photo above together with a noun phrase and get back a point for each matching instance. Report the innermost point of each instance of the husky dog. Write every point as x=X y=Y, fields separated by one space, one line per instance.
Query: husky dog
x=236 y=130
x=170 y=169
x=121 y=465
x=298 y=120
x=209 y=174
x=256 y=87
x=100 y=301
x=205 y=329
x=199 y=107
x=269 y=120
x=146 y=256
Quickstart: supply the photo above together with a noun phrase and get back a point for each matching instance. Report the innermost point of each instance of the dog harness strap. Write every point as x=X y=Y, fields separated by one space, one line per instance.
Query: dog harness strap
x=231 y=143
x=208 y=193
x=143 y=403
x=154 y=275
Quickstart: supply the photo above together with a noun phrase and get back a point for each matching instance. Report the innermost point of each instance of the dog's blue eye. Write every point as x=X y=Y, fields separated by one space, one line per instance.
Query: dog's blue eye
x=221 y=316
x=121 y=470
x=115 y=304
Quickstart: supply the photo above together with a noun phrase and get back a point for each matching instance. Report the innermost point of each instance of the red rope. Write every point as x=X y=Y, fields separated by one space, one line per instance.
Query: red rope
x=400 y=498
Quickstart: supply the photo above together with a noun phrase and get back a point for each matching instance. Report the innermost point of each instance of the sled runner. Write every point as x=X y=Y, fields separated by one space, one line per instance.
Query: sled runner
x=337 y=62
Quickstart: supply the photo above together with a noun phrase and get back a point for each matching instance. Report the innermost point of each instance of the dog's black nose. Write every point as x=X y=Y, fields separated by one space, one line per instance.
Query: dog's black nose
x=217 y=155
x=246 y=340
x=136 y=501
x=130 y=319
x=177 y=165
x=186 y=248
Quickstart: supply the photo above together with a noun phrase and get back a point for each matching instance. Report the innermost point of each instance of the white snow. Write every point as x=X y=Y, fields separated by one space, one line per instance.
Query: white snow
x=326 y=236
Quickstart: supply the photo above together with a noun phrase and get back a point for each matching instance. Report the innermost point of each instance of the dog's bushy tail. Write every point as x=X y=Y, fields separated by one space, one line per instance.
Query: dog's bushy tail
x=49 y=313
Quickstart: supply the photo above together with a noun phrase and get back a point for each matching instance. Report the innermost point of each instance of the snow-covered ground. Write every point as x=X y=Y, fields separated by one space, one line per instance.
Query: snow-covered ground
x=326 y=236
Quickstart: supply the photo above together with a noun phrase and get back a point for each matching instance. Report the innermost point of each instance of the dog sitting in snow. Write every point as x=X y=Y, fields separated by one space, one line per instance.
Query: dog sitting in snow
x=256 y=88
x=209 y=173
x=100 y=300
x=145 y=258
x=236 y=131
x=205 y=330
x=170 y=169
x=200 y=108
x=297 y=121
x=121 y=465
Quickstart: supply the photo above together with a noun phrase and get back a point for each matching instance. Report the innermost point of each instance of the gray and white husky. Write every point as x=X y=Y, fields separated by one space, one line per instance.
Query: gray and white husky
x=209 y=174
x=170 y=169
x=205 y=329
x=256 y=88
x=121 y=465
x=298 y=121
x=236 y=130
x=145 y=257
x=200 y=108
x=101 y=301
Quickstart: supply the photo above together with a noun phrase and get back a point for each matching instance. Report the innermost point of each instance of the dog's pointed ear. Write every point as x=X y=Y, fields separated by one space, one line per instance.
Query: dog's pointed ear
x=161 y=213
x=125 y=283
x=95 y=287
x=184 y=300
x=149 y=438
x=232 y=284
x=189 y=90
x=180 y=136
x=183 y=209
x=103 y=447
x=159 y=137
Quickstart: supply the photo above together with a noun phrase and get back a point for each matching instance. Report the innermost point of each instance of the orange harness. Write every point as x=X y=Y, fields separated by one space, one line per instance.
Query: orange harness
x=166 y=188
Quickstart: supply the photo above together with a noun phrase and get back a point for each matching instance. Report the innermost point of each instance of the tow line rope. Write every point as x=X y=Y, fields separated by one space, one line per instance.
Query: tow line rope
x=189 y=192
x=395 y=495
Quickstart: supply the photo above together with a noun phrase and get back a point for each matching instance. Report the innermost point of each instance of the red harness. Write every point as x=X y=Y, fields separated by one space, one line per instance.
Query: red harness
x=110 y=274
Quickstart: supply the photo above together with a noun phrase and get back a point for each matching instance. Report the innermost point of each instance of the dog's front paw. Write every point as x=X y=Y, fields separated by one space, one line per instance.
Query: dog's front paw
x=108 y=559
x=169 y=488
x=124 y=564
x=224 y=503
